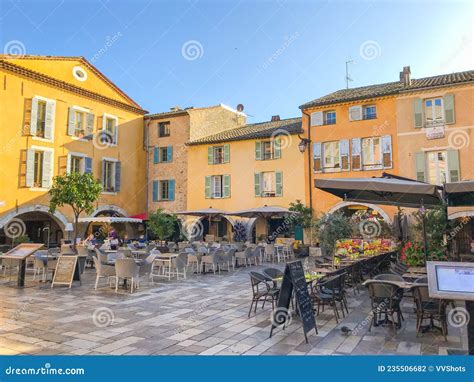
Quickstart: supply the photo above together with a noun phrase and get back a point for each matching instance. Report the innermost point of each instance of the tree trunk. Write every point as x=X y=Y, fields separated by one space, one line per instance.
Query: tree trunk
x=76 y=223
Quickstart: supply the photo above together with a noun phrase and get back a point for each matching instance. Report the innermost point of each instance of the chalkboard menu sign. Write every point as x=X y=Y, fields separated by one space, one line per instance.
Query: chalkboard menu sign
x=294 y=281
x=65 y=269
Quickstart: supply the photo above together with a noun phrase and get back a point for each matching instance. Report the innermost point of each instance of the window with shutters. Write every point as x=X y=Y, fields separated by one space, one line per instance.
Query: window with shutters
x=109 y=176
x=332 y=159
x=329 y=117
x=164 y=129
x=111 y=128
x=164 y=187
x=268 y=182
x=38 y=169
x=433 y=110
x=371 y=153
x=41 y=119
x=217 y=186
x=267 y=150
x=218 y=154
x=369 y=112
x=164 y=154
x=77 y=164
x=80 y=126
x=437 y=167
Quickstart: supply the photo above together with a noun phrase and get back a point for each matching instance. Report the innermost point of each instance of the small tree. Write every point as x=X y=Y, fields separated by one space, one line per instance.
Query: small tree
x=302 y=215
x=331 y=228
x=162 y=224
x=79 y=191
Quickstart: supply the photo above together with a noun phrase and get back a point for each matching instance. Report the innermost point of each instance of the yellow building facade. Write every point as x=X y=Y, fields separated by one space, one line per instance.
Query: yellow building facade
x=57 y=115
x=246 y=167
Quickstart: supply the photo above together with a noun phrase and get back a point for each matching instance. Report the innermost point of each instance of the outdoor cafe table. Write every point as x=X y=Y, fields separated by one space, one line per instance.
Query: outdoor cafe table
x=167 y=259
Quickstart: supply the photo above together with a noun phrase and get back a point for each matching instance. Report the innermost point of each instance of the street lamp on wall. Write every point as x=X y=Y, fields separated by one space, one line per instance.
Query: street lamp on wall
x=304 y=142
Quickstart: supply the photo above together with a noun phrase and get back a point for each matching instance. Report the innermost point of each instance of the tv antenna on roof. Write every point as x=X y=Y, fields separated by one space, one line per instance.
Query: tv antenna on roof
x=348 y=78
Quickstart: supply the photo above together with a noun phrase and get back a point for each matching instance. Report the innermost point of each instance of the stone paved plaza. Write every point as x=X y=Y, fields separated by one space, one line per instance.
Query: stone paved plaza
x=204 y=314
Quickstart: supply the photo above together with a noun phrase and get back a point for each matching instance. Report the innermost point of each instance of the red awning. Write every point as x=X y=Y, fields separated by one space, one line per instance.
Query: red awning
x=143 y=216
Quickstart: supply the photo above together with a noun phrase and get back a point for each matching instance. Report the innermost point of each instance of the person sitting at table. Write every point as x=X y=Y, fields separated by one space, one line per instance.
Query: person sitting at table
x=114 y=241
x=90 y=240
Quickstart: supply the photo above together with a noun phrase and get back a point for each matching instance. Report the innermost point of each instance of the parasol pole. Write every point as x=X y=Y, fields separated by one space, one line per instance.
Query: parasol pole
x=425 y=240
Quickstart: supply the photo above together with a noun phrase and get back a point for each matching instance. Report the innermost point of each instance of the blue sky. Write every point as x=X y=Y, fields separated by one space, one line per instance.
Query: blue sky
x=270 y=56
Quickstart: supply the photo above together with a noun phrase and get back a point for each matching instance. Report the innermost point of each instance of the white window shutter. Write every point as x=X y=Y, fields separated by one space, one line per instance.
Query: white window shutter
x=30 y=168
x=317 y=118
x=344 y=154
x=387 y=151
x=50 y=113
x=34 y=116
x=47 y=169
x=355 y=113
x=71 y=123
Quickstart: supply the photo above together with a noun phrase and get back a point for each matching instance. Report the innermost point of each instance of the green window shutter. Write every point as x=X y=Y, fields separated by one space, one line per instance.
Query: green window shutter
x=207 y=187
x=169 y=153
x=155 y=191
x=453 y=166
x=226 y=153
x=89 y=125
x=420 y=166
x=258 y=191
x=278 y=183
x=226 y=188
x=118 y=176
x=71 y=122
x=258 y=150
x=210 y=155
x=448 y=101
x=418 y=112
x=50 y=109
x=47 y=167
x=87 y=165
x=156 y=155
x=30 y=168
x=34 y=116
x=277 y=148
x=171 y=185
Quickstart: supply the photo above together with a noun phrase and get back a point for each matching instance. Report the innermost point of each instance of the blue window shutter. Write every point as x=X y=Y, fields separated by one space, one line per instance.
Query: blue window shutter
x=171 y=185
x=88 y=165
x=156 y=156
x=49 y=125
x=170 y=154
x=118 y=170
x=71 y=123
x=155 y=190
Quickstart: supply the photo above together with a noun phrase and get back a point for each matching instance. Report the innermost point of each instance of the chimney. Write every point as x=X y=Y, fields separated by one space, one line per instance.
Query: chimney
x=275 y=118
x=405 y=76
x=175 y=108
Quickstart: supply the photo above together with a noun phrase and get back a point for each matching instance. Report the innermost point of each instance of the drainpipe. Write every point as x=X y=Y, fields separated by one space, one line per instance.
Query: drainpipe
x=310 y=186
x=147 y=177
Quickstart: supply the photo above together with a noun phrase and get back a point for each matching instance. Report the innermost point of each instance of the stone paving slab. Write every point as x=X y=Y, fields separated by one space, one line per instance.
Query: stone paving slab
x=204 y=314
